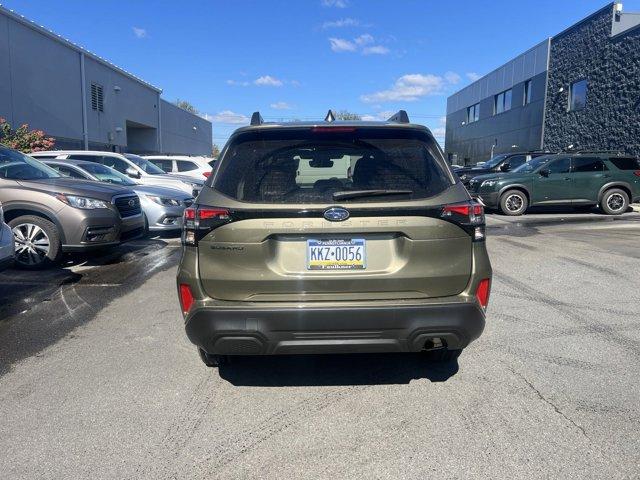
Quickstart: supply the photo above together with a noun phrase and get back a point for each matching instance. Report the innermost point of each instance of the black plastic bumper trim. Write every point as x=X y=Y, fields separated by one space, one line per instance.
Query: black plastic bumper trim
x=333 y=329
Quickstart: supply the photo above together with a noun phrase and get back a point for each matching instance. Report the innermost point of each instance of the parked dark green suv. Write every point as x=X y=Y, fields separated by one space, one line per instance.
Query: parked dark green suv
x=578 y=179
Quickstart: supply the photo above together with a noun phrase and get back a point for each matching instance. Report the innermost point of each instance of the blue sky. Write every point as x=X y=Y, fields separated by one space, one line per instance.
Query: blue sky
x=296 y=59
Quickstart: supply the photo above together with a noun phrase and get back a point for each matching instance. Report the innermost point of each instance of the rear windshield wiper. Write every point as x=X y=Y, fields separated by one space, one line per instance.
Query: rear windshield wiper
x=368 y=193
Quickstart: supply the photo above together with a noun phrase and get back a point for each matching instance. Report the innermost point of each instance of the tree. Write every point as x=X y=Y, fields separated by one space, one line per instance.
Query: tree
x=183 y=104
x=215 y=151
x=346 y=115
x=23 y=139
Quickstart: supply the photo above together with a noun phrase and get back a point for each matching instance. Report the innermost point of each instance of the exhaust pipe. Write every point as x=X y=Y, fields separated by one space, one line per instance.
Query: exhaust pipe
x=434 y=343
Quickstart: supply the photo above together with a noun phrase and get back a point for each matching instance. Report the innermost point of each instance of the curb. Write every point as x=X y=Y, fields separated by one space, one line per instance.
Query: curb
x=635 y=207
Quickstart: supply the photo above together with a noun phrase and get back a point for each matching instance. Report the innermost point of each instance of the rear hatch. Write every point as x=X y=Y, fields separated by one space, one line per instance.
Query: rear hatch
x=377 y=229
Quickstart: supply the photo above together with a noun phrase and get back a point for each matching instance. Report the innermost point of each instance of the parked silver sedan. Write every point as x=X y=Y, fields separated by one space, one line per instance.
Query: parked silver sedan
x=7 y=244
x=162 y=206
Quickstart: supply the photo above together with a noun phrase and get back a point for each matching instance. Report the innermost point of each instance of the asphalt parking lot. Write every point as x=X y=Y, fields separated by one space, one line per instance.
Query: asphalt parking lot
x=97 y=378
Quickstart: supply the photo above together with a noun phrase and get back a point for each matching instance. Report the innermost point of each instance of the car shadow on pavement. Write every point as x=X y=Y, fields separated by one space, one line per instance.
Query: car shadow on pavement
x=328 y=370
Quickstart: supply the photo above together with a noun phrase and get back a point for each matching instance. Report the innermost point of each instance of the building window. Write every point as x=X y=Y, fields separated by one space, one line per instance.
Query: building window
x=527 y=92
x=503 y=101
x=578 y=95
x=473 y=113
x=97 y=97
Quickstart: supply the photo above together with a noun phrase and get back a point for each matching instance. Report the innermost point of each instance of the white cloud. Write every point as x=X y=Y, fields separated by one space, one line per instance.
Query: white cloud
x=411 y=87
x=342 y=45
x=452 y=77
x=342 y=23
x=294 y=83
x=227 y=116
x=473 y=76
x=385 y=115
x=236 y=83
x=139 y=32
x=438 y=132
x=281 y=106
x=365 y=39
x=363 y=44
x=267 y=81
x=335 y=3
x=375 y=50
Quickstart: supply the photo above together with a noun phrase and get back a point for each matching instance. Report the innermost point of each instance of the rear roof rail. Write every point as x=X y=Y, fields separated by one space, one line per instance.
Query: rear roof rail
x=400 y=117
x=609 y=152
x=256 y=119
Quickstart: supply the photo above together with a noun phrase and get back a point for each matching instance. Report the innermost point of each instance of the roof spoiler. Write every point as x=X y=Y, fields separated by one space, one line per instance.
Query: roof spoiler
x=256 y=119
x=400 y=117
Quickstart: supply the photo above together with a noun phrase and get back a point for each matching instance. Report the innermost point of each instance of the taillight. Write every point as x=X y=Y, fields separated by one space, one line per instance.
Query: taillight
x=207 y=174
x=186 y=298
x=483 y=291
x=469 y=216
x=467 y=209
x=189 y=213
x=206 y=213
x=637 y=173
x=200 y=220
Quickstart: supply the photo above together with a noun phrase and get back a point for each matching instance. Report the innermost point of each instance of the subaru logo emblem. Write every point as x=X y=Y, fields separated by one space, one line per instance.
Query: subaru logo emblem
x=132 y=202
x=336 y=214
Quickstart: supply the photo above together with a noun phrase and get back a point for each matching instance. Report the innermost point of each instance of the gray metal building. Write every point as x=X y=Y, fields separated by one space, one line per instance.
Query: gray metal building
x=84 y=101
x=579 y=89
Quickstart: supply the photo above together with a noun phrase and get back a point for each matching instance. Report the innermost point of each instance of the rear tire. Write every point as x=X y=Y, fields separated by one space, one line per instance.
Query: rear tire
x=514 y=202
x=211 y=360
x=37 y=241
x=442 y=355
x=614 y=202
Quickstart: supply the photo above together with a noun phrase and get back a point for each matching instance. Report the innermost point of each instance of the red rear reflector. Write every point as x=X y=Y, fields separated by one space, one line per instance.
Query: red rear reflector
x=190 y=213
x=333 y=129
x=482 y=292
x=207 y=213
x=207 y=174
x=186 y=298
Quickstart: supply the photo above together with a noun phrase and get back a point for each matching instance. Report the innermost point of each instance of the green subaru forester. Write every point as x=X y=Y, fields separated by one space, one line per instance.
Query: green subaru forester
x=610 y=181
x=333 y=237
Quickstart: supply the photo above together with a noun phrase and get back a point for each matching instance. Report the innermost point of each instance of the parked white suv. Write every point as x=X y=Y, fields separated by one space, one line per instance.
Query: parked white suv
x=134 y=166
x=196 y=167
x=7 y=244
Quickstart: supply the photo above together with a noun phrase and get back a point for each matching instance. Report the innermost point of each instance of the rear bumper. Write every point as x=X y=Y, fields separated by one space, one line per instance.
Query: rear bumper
x=293 y=330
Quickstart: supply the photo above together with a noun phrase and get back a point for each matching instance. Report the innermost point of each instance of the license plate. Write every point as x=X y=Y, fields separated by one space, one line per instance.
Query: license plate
x=336 y=254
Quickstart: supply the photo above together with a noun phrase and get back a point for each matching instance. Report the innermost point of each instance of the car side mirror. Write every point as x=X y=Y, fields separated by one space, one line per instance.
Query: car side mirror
x=505 y=167
x=545 y=172
x=132 y=172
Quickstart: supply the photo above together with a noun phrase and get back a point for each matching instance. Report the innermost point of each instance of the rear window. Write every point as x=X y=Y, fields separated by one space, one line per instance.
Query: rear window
x=165 y=165
x=324 y=165
x=581 y=164
x=625 y=163
x=186 y=166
